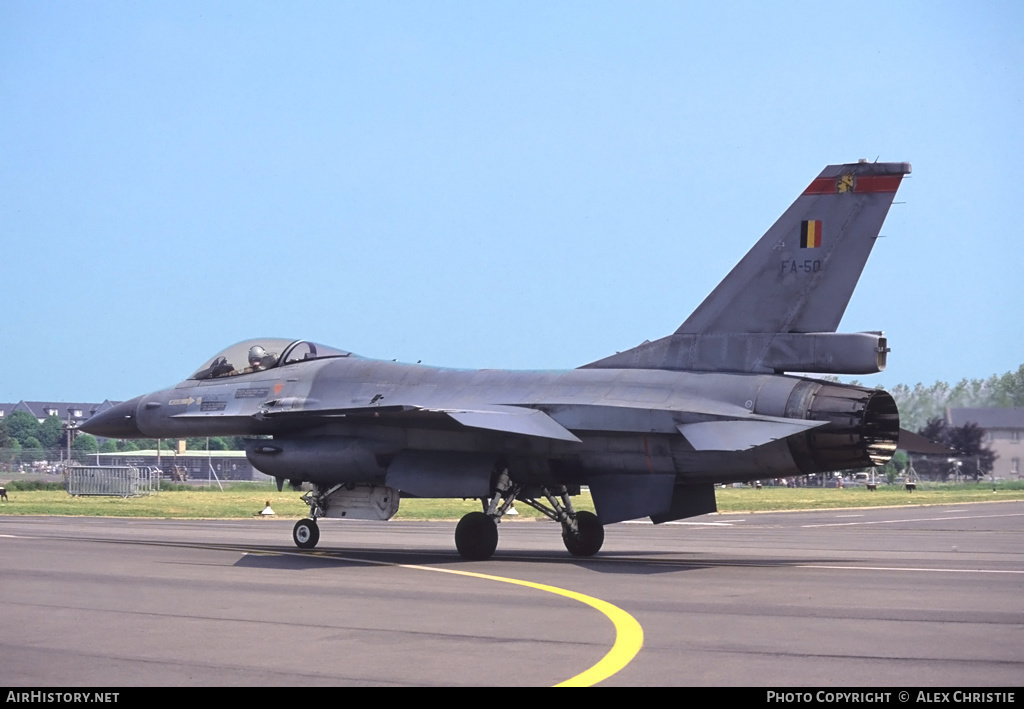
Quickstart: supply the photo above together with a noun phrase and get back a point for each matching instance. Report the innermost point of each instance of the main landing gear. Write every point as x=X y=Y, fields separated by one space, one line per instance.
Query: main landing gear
x=476 y=536
x=587 y=538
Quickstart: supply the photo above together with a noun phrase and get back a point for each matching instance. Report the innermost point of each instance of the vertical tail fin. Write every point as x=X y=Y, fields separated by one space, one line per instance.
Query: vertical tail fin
x=797 y=279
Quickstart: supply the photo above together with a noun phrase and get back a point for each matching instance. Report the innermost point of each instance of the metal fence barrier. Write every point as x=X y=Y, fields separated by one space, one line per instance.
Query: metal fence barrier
x=117 y=481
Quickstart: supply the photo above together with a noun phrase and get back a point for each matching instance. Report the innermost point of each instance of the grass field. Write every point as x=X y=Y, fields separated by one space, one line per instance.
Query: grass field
x=241 y=501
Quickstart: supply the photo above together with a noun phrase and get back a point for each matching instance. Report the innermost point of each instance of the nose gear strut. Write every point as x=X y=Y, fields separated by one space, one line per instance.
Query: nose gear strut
x=306 y=532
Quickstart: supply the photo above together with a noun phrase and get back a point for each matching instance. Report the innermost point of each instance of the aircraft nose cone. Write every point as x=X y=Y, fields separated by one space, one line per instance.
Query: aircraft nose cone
x=116 y=422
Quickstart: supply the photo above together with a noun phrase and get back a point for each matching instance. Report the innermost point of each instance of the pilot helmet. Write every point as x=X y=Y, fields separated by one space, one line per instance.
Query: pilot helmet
x=256 y=355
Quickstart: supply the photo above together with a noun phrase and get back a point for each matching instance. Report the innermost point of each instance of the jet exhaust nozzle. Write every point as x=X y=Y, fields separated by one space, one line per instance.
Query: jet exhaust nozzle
x=863 y=429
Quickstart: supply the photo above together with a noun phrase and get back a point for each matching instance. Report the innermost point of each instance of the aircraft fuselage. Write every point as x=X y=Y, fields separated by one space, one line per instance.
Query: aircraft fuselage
x=346 y=419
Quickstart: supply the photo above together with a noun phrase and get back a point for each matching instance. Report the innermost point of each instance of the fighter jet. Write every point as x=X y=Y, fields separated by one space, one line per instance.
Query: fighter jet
x=649 y=431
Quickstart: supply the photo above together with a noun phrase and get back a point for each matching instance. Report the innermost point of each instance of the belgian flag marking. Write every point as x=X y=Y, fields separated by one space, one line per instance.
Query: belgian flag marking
x=810 y=234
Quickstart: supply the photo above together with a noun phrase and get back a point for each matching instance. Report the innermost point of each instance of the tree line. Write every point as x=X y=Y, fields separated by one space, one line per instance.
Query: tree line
x=22 y=432
x=922 y=403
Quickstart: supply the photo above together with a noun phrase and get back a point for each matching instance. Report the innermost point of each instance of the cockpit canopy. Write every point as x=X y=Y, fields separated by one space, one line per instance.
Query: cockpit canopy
x=262 y=354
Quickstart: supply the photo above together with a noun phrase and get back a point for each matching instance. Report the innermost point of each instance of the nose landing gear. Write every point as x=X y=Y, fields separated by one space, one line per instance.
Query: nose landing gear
x=306 y=533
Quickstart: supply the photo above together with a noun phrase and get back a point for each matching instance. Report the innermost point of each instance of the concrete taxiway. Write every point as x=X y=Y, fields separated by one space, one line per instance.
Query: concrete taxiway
x=913 y=596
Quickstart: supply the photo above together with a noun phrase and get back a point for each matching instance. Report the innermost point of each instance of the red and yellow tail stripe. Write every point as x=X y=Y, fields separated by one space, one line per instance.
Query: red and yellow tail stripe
x=849 y=183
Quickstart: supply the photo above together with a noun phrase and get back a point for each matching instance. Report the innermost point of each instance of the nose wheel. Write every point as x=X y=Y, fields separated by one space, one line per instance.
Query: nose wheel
x=306 y=533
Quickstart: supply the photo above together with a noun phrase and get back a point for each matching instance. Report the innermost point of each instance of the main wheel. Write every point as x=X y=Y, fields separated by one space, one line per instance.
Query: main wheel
x=590 y=537
x=476 y=536
x=306 y=533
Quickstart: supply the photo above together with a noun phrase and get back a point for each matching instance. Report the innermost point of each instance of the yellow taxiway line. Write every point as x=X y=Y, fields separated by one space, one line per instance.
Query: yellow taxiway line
x=629 y=635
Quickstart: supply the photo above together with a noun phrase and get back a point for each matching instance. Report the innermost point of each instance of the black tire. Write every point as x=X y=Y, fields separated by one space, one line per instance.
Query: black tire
x=476 y=537
x=306 y=533
x=590 y=537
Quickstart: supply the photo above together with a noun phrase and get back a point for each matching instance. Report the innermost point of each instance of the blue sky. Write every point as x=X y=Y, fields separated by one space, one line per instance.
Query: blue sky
x=515 y=185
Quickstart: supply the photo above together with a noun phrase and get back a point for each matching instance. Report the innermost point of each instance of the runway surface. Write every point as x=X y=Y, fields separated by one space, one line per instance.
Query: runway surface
x=914 y=596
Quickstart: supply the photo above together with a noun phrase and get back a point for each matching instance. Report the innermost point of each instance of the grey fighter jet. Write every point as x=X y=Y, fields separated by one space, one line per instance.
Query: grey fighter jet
x=650 y=430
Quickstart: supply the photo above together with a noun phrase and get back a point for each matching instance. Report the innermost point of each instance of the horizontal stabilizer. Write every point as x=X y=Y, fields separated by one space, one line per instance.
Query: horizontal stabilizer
x=739 y=435
x=916 y=443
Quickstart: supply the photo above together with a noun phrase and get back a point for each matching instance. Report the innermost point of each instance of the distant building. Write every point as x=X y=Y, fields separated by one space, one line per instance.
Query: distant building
x=192 y=465
x=1004 y=434
x=42 y=410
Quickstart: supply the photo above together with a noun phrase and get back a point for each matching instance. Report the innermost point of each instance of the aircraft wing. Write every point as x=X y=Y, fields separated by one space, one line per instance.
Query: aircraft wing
x=518 y=420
